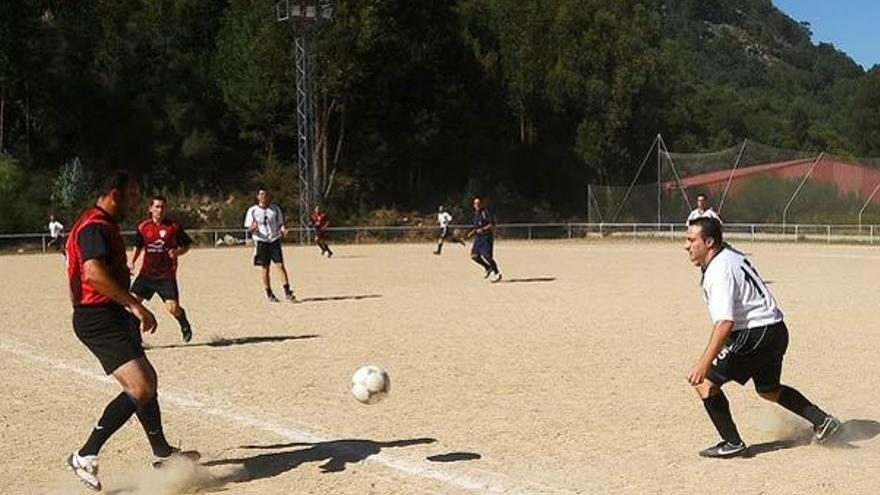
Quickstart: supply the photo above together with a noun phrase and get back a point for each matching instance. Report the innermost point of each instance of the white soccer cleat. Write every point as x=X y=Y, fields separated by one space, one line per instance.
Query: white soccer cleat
x=86 y=469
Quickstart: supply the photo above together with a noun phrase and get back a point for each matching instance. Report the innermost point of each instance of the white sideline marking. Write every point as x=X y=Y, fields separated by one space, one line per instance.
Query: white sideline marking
x=484 y=483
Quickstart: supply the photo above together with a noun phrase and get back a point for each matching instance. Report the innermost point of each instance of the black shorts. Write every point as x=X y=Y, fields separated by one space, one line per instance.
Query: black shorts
x=321 y=234
x=111 y=333
x=445 y=232
x=145 y=287
x=267 y=252
x=756 y=354
x=483 y=246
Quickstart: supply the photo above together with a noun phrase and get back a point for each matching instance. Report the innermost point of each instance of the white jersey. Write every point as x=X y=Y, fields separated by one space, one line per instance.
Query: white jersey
x=55 y=229
x=708 y=212
x=444 y=218
x=269 y=221
x=735 y=292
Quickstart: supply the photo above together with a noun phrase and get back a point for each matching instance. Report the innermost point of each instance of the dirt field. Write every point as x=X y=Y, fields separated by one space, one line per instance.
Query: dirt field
x=568 y=378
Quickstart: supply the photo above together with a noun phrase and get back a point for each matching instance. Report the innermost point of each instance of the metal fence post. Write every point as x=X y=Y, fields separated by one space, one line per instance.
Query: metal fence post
x=872 y=234
x=530 y=232
x=753 y=232
x=635 y=235
x=215 y=239
x=829 y=234
x=795 y=232
x=569 y=231
x=43 y=241
x=672 y=231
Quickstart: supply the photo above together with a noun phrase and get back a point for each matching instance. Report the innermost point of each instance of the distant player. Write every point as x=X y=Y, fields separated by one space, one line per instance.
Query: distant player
x=748 y=341
x=163 y=241
x=482 y=251
x=108 y=320
x=56 y=234
x=320 y=221
x=444 y=219
x=703 y=209
x=265 y=222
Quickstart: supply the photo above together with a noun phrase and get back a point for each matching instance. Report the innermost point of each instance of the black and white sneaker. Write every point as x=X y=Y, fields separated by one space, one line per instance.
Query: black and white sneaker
x=290 y=297
x=827 y=429
x=272 y=298
x=176 y=454
x=724 y=450
x=85 y=467
x=497 y=278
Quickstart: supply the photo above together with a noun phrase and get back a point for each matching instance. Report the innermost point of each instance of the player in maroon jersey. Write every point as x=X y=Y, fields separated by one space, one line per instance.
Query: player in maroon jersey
x=163 y=241
x=320 y=221
x=108 y=320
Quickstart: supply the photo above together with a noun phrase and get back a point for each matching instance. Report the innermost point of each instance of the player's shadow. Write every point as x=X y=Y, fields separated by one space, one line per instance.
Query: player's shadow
x=356 y=297
x=528 y=280
x=454 y=457
x=224 y=342
x=854 y=430
x=334 y=457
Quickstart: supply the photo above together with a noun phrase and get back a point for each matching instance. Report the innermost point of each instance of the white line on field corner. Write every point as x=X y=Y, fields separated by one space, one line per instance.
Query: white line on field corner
x=484 y=483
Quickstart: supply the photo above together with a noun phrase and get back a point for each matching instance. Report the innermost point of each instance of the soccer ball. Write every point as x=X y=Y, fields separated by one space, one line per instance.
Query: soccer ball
x=370 y=384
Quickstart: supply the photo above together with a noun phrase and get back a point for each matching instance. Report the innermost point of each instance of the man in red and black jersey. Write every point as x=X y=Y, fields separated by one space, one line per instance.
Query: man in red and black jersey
x=163 y=241
x=108 y=320
x=320 y=221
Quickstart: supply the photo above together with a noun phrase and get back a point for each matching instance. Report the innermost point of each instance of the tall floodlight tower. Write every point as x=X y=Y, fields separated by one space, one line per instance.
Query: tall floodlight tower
x=305 y=16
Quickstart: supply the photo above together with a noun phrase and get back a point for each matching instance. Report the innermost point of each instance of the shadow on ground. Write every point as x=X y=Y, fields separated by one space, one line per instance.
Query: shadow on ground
x=854 y=430
x=334 y=457
x=455 y=457
x=339 y=298
x=528 y=280
x=224 y=342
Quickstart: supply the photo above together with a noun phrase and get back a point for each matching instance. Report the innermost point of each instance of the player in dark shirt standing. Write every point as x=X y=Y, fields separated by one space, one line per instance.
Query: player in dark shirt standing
x=163 y=241
x=108 y=320
x=320 y=221
x=482 y=251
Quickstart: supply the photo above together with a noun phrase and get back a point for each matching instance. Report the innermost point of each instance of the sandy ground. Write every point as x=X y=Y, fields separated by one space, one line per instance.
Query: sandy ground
x=568 y=378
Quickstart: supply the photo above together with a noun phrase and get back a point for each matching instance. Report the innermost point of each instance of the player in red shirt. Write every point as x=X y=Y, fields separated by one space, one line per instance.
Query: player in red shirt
x=163 y=241
x=320 y=221
x=108 y=320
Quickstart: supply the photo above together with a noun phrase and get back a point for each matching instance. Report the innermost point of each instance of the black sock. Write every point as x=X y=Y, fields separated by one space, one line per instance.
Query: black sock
x=287 y=290
x=182 y=319
x=478 y=260
x=115 y=415
x=327 y=248
x=269 y=292
x=439 y=247
x=493 y=266
x=795 y=402
x=719 y=412
x=151 y=419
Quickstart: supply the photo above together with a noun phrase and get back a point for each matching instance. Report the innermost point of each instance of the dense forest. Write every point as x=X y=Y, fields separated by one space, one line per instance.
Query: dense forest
x=420 y=102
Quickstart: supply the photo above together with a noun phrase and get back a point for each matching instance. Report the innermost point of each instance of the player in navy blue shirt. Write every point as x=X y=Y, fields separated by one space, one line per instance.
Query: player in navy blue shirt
x=484 y=240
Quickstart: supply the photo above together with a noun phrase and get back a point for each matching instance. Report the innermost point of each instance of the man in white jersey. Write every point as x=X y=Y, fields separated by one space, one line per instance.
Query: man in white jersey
x=56 y=234
x=444 y=219
x=265 y=222
x=748 y=341
x=703 y=209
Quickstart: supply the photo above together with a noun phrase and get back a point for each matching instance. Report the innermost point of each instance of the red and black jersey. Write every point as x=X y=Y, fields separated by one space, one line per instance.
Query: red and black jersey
x=156 y=239
x=95 y=236
x=319 y=220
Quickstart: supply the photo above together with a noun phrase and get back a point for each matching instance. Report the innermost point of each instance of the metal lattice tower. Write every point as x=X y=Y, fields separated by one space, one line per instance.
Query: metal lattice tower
x=305 y=18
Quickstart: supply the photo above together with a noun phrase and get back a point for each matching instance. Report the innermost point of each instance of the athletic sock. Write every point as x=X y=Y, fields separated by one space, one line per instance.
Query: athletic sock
x=439 y=247
x=478 y=260
x=115 y=415
x=287 y=290
x=719 y=412
x=493 y=266
x=182 y=319
x=795 y=402
x=151 y=419
x=269 y=292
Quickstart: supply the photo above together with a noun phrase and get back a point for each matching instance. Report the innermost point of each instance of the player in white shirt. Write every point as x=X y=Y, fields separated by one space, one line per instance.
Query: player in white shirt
x=748 y=341
x=703 y=209
x=265 y=222
x=56 y=234
x=444 y=219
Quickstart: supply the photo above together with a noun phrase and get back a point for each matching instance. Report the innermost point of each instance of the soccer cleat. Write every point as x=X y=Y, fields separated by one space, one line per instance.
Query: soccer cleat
x=186 y=332
x=436 y=252
x=272 y=298
x=290 y=297
x=176 y=454
x=497 y=278
x=724 y=450
x=827 y=429
x=85 y=467
x=488 y=272
x=329 y=254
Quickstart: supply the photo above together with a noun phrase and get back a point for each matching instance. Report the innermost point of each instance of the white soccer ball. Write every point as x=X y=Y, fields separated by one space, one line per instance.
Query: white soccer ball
x=370 y=384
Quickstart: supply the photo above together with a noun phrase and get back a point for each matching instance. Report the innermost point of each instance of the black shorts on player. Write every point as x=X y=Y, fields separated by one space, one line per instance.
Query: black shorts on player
x=755 y=354
x=268 y=252
x=483 y=246
x=145 y=287
x=111 y=333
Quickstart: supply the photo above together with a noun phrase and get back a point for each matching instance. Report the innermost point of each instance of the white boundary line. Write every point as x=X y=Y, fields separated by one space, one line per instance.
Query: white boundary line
x=485 y=482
